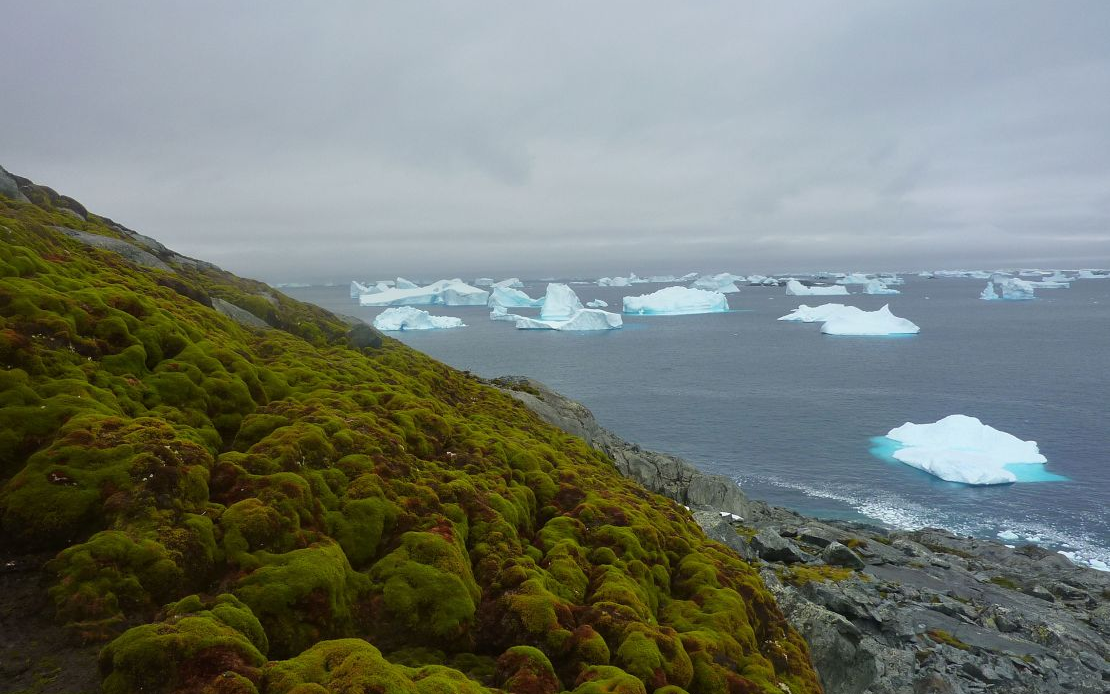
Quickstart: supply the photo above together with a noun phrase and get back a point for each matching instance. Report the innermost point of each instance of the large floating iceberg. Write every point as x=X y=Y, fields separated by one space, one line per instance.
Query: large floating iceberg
x=403 y=283
x=560 y=303
x=672 y=301
x=444 y=292
x=1008 y=288
x=881 y=322
x=959 y=448
x=876 y=286
x=817 y=314
x=583 y=319
x=409 y=318
x=796 y=288
x=512 y=298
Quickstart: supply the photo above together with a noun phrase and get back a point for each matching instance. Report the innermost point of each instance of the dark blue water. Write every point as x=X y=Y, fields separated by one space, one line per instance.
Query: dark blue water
x=790 y=413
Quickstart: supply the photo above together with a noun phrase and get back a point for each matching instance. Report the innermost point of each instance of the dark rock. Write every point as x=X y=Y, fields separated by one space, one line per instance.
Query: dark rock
x=363 y=336
x=126 y=249
x=238 y=314
x=771 y=546
x=836 y=554
x=9 y=188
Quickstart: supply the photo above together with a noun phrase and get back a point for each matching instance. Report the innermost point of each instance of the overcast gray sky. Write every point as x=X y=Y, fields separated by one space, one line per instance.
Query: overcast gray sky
x=313 y=141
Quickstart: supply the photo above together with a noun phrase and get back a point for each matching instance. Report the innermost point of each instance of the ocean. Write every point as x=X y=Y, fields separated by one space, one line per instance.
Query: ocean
x=791 y=414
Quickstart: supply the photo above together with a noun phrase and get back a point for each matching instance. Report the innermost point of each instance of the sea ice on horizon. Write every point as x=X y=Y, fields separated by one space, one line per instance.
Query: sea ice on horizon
x=962 y=449
x=582 y=319
x=453 y=292
x=880 y=322
x=409 y=318
x=674 y=301
x=796 y=288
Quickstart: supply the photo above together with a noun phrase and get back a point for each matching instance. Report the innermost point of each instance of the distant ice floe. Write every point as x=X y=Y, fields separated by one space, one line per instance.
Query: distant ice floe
x=453 y=292
x=621 y=281
x=763 y=280
x=1008 y=289
x=1093 y=275
x=854 y=278
x=859 y=322
x=483 y=282
x=1008 y=535
x=962 y=449
x=512 y=283
x=409 y=318
x=674 y=301
x=597 y=303
x=724 y=283
x=816 y=314
x=511 y=298
x=581 y=320
x=796 y=288
x=876 y=286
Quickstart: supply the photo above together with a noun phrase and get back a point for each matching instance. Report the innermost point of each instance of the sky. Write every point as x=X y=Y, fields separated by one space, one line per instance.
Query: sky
x=308 y=142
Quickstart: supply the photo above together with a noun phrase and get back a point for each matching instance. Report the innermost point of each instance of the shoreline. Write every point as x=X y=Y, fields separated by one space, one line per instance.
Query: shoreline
x=884 y=609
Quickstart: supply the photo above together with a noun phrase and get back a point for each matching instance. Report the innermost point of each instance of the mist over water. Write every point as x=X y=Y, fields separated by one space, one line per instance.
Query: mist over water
x=791 y=414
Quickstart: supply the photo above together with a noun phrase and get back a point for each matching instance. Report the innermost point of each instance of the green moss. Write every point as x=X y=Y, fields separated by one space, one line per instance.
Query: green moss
x=941 y=636
x=800 y=575
x=1005 y=582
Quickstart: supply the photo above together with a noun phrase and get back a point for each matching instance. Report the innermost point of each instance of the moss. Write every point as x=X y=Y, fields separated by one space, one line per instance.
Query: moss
x=941 y=636
x=1005 y=582
x=800 y=575
x=369 y=496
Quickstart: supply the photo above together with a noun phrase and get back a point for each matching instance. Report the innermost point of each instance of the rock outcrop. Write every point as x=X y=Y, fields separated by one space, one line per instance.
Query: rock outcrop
x=887 y=611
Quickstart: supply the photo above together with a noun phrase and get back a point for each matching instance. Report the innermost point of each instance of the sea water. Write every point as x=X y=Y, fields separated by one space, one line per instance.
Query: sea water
x=791 y=414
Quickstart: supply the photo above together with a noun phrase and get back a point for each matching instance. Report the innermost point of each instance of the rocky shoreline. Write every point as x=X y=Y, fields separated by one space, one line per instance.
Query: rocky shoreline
x=887 y=611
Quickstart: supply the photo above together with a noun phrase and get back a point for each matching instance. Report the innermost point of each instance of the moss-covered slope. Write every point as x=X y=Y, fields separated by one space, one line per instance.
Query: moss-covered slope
x=238 y=509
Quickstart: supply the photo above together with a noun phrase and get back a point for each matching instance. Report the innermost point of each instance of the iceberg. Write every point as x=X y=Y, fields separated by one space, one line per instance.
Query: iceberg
x=582 y=319
x=796 y=288
x=1008 y=535
x=509 y=297
x=499 y=313
x=512 y=283
x=614 y=282
x=962 y=449
x=817 y=314
x=444 y=292
x=597 y=303
x=1014 y=289
x=483 y=282
x=724 y=283
x=403 y=283
x=1093 y=275
x=989 y=293
x=881 y=322
x=358 y=289
x=672 y=301
x=854 y=278
x=763 y=280
x=877 y=287
x=409 y=318
x=560 y=303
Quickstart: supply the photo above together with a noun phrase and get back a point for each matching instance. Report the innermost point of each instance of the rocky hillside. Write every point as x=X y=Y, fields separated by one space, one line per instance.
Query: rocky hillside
x=887 y=612
x=206 y=486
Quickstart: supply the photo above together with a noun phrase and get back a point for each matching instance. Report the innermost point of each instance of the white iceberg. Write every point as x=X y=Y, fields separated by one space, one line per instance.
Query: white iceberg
x=817 y=314
x=1008 y=535
x=512 y=282
x=614 y=282
x=796 y=288
x=403 y=283
x=453 y=292
x=959 y=448
x=877 y=287
x=509 y=297
x=483 y=282
x=499 y=313
x=358 y=289
x=672 y=301
x=724 y=283
x=409 y=318
x=1093 y=275
x=854 y=278
x=989 y=293
x=881 y=322
x=659 y=279
x=597 y=303
x=583 y=319
x=1014 y=289
x=560 y=303
x=763 y=280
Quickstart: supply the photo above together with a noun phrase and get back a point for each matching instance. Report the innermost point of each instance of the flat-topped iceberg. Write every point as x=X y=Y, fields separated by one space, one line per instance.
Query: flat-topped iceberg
x=409 y=318
x=854 y=278
x=1093 y=275
x=512 y=282
x=796 y=288
x=959 y=448
x=583 y=319
x=817 y=314
x=444 y=292
x=559 y=303
x=674 y=301
x=858 y=322
x=512 y=298
x=876 y=286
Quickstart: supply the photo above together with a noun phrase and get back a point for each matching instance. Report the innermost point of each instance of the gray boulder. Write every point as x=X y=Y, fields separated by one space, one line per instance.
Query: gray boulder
x=836 y=554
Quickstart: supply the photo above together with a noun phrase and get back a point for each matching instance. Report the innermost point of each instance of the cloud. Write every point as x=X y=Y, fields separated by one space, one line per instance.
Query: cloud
x=366 y=139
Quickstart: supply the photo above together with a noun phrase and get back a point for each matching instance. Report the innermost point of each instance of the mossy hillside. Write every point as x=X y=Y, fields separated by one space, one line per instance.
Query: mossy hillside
x=372 y=518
